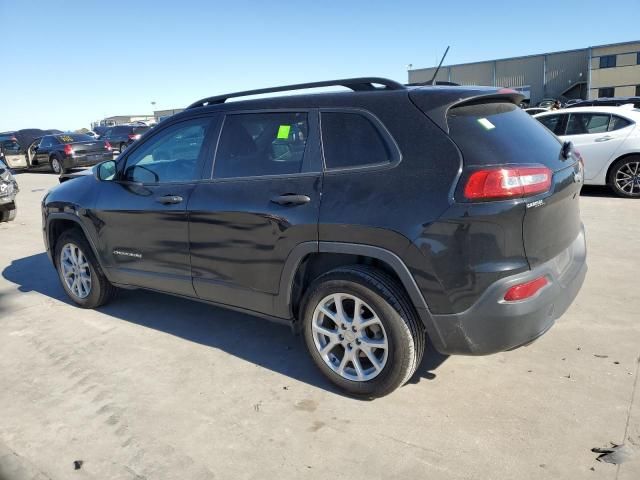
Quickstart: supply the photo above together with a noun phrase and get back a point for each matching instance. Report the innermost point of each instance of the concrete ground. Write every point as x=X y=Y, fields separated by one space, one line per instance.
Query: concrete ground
x=154 y=387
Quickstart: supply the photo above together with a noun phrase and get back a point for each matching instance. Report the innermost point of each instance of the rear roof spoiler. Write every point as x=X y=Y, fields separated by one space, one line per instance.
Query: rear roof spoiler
x=437 y=106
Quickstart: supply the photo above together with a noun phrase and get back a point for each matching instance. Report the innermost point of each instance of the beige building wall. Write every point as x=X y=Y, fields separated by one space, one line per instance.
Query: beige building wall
x=624 y=77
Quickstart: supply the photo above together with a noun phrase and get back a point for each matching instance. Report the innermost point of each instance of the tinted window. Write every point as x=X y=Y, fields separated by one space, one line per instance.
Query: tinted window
x=351 y=140
x=618 y=122
x=552 y=122
x=499 y=132
x=605 y=92
x=258 y=144
x=583 y=123
x=10 y=146
x=608 y=61
x=45 y=142
x=73 y=137
x=139 y=130
x=170 y=156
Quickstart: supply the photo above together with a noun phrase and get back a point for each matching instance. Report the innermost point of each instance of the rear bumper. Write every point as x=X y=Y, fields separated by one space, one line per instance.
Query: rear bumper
x=85 y=160
x=492 y=325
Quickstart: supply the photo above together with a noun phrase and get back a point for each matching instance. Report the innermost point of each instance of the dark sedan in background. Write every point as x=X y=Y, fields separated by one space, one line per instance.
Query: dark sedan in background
x=69 y=150
x=121 y=136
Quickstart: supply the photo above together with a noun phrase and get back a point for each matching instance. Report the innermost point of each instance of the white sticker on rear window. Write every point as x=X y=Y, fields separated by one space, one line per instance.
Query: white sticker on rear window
x=486 y=124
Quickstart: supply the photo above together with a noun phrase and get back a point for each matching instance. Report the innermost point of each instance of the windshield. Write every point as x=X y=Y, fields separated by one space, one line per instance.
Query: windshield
x=74 y=137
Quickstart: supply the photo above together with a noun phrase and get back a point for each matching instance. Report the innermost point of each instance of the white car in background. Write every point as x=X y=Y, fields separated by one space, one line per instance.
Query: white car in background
x=608 y=139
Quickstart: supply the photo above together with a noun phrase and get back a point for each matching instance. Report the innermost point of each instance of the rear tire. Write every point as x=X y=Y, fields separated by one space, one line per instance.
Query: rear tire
x=56 y=164
x=624 y=177
x=370 y=361
x=81 y=275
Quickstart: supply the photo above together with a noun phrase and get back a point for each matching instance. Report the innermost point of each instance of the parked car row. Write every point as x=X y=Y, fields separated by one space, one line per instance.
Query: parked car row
x=60 y=152
x=8 y=192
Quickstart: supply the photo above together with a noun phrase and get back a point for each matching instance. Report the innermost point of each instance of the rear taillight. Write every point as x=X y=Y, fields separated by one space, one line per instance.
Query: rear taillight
x=68 y=149
x=525 y=290
x=501 y=183
x=108 y=146
x=134 y=136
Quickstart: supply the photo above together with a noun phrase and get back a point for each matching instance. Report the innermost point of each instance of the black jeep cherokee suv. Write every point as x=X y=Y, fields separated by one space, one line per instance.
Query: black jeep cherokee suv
x=367 y=220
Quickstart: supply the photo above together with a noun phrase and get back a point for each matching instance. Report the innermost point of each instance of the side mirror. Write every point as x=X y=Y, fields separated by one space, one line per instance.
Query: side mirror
x=106 y=171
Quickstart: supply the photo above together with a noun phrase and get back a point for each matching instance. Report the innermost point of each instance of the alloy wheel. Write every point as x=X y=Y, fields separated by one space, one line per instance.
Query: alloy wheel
x=55 y=165
x=75 y=270
x=350 y=337
x=627 y=178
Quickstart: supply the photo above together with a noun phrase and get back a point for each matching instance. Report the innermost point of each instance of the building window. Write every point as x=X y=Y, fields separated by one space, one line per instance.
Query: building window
x=638 y=58
x=605 y=92
x=637 y=90
x=608 y=61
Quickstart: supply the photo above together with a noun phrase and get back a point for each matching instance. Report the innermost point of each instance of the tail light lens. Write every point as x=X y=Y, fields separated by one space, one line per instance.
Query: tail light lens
x=108 y=146
x=525 y=290
x=501 y=183
x=68 y=149
x=134 y=136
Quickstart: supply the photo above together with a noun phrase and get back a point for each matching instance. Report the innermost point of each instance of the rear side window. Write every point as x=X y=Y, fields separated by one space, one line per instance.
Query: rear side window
x=495 y=133
x=139 y=130
x=617 y=123
x=585 y=123
x=553 y=123
x=352 y=140
x=260 y=144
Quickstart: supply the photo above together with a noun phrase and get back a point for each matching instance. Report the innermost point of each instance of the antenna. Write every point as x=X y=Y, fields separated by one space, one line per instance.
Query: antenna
x=433 y=80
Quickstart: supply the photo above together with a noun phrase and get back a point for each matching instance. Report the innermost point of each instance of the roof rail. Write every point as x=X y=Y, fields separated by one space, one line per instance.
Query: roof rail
x=355 y=84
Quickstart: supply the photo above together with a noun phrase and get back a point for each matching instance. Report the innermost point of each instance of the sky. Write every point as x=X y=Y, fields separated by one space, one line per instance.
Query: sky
x=68 y=63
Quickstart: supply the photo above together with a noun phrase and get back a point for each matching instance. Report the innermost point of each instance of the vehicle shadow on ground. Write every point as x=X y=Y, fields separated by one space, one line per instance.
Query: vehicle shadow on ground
x=597 y=191
x=251 y=338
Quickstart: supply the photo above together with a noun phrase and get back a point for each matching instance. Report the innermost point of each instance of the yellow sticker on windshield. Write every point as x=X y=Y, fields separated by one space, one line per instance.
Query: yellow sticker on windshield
x=486 y=124
x=283 y=132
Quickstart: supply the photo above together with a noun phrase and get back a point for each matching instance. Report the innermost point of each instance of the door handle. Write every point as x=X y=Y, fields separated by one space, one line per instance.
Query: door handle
x=291 y=199
x=604 y=139
x=169 y=199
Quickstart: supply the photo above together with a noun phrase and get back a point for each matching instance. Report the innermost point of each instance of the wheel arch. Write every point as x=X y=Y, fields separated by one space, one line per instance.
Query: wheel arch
x=57 y=224
x=309 y=260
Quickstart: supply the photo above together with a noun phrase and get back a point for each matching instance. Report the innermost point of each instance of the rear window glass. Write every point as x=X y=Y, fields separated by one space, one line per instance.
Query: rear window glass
x=552 y=122
x=74 y=137
x=259 y=144
x=499 y=133
x=617 y=123
x=351 y=140
x=583 y=123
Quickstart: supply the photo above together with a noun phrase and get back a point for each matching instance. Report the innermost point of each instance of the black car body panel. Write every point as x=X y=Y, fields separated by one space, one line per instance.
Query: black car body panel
x=240 y=242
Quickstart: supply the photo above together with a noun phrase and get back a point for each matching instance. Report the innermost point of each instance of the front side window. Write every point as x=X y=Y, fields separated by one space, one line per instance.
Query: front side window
x=586 y=123
x=170 y=156
x=608 y=61
x=552 y=122
x=45 y=142
x=352 y=140
x=260 y=144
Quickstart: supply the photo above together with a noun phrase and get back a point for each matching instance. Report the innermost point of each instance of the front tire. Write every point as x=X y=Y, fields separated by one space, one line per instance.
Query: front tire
x=361 y=330
x=79 y=271
x=8 y=215
x=624 y=177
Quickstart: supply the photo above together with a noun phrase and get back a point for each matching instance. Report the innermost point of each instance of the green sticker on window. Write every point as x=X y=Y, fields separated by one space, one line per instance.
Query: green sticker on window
x=283 y=132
